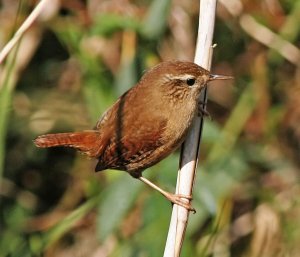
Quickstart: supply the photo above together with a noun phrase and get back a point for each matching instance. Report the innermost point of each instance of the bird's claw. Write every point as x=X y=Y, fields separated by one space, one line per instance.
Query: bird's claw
x=202 y=112
x=179 y=200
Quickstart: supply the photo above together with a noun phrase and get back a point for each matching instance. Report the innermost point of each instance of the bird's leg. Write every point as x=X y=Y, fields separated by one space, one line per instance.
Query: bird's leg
x=202 y=112
x=174 y=198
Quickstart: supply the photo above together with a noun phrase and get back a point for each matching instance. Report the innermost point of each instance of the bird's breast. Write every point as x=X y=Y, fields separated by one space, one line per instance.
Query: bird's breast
x=179 y=122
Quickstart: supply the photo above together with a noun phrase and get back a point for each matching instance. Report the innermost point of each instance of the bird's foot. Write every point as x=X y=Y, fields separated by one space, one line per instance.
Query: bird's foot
x=202 y=112
x=181 y=200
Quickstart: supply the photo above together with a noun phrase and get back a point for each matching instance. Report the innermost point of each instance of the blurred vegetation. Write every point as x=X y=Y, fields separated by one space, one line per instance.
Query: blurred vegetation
x=76 y=60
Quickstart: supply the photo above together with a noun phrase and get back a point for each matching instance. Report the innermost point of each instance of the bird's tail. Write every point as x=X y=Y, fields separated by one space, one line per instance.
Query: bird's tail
x=85 y=141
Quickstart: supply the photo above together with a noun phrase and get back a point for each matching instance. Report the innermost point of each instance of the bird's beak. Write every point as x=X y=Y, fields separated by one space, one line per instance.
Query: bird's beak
x=218 y=77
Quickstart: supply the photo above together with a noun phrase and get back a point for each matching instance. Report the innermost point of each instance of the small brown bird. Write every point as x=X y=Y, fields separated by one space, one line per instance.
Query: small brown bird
x=146 y=124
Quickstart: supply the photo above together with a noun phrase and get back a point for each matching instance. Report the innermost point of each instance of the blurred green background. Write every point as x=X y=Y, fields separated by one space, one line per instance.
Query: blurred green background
x=74 y=62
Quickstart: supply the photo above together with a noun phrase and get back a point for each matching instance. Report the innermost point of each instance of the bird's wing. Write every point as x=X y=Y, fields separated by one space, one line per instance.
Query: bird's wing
x=132 y=147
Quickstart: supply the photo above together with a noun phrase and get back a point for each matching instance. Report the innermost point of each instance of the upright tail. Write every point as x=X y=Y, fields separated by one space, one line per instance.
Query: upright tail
x=85 y=141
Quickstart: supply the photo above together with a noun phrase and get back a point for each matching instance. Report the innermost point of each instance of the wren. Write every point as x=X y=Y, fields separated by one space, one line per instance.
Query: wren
x=146 y=124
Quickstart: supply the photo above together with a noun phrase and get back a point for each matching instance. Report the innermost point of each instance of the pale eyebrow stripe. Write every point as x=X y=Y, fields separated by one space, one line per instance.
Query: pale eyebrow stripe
x=180 y=77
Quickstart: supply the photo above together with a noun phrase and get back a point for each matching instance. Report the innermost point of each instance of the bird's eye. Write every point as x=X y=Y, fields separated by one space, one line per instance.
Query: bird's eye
x=190 y=81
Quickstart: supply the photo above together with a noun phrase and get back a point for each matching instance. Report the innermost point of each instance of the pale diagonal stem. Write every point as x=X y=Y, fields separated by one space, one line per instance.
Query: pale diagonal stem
x=190 y=149
x=23 y=28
